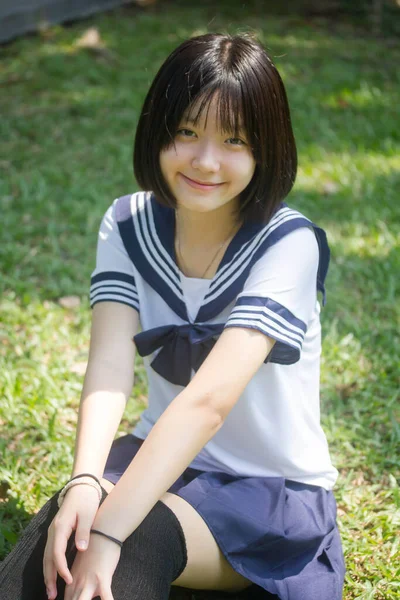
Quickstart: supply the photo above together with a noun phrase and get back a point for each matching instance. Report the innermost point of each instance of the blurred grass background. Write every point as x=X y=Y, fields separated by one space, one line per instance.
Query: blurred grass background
x=69 y=102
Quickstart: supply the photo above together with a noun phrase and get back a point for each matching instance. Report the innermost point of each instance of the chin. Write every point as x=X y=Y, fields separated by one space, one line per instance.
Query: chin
x=202 y=205
x=199 y=209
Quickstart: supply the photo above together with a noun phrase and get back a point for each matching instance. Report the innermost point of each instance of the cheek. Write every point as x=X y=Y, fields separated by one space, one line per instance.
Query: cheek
x=243 y=167
x=166 y=162
x=170 y=159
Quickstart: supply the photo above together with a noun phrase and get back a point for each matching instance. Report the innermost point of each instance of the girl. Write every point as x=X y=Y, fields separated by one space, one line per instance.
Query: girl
x=226 y=480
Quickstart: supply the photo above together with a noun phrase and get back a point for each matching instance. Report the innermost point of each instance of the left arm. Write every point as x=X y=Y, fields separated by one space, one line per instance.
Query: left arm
x=184 y=428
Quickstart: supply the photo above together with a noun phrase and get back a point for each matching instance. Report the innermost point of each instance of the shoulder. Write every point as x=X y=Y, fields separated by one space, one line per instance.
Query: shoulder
x=289 y=234
x=128 y=206
x=294 y=254
x=298 y=244
x=293 y=260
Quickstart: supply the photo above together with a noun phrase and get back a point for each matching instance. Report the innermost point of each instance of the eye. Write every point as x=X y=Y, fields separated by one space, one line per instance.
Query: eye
x=185 y=132
x=234 y=141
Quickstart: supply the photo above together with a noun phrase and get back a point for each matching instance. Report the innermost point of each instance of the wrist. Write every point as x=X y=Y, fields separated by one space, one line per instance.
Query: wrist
x=107 y=536
x=86 y=480
x=79 y=489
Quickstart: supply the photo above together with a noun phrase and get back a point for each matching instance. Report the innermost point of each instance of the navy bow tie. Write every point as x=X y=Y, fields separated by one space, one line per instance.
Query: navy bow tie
x=183 y=348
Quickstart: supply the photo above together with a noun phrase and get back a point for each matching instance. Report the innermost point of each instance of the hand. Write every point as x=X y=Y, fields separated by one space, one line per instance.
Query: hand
x=77 y=512
x=93 y=570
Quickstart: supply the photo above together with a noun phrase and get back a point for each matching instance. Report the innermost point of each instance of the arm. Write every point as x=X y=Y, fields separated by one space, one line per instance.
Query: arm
x=183 y=429
x=109 y=376
x=108 y=384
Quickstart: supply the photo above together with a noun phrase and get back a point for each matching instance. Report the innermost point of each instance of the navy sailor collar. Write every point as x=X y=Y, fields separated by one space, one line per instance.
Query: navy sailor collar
x=147 y=230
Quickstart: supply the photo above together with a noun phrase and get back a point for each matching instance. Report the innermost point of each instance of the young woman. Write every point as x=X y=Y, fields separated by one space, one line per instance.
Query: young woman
x=226 y=481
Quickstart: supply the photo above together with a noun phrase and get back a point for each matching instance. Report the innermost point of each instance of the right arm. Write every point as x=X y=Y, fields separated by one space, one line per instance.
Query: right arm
x=109 y=375
x=107 y=387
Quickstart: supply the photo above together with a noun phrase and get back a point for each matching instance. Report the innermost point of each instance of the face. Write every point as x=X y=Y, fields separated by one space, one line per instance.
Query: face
x=207 y=168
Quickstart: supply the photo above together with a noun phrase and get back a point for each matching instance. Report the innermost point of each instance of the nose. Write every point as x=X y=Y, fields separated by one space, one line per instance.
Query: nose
x=206 y=158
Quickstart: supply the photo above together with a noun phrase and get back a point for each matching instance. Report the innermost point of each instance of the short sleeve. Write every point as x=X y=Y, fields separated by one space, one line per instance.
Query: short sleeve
x=280 y=294
x=113 y=279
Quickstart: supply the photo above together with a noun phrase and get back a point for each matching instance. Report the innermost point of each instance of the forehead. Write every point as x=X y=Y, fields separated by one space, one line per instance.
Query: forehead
x=215 y=109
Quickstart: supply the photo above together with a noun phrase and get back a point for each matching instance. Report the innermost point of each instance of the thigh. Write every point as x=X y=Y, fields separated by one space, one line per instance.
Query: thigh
x=206 y=567
x=107 y=485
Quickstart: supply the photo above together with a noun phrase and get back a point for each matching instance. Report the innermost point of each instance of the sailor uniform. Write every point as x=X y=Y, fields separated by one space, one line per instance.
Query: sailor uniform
x=263 y=482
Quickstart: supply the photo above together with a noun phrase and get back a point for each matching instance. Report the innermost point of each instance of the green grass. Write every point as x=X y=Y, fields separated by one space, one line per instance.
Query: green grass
x=67 y=125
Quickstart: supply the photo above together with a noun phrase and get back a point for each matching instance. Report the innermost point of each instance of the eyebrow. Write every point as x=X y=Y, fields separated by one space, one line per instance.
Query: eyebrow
x=192 y=121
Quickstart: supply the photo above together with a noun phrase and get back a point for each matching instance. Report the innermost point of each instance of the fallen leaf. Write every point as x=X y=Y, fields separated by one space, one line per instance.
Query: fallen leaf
x=330 y=187
x=90 y=39
x=69 y=301
x=79 y=368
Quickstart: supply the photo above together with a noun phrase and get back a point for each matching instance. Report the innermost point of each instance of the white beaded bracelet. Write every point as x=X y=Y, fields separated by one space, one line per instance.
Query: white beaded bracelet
x=78 y=481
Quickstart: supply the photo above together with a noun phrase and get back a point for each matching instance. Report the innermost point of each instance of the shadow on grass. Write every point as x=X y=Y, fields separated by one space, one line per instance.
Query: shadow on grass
x=13 y=520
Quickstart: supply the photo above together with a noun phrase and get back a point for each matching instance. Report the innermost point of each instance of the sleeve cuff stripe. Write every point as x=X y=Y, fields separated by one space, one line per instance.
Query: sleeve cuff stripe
x=118 y=300
x=277 y=310
x=267 y=315
x=113 y=276
x=113 y=296
x=111 y=285
x=268 y=329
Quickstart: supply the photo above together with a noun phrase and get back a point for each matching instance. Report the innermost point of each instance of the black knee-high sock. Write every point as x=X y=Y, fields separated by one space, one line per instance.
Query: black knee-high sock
x=21 y=572
x=151 y=558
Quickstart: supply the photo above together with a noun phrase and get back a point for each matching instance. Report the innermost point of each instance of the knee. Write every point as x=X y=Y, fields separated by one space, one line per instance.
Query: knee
x=160 y=540
x=152 y=557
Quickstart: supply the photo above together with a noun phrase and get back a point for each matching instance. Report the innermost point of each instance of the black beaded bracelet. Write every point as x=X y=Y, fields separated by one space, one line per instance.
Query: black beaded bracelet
x=109 y=537
x=85 y=475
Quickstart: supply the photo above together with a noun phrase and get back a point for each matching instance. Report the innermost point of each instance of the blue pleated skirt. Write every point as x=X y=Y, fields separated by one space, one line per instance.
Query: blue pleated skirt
x=281 y=535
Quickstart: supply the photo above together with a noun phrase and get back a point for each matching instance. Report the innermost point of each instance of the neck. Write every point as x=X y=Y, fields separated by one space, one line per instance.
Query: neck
x=205 y=230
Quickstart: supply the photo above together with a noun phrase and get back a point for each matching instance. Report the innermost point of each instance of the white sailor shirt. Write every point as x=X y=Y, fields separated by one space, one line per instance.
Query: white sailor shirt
x=267 y=280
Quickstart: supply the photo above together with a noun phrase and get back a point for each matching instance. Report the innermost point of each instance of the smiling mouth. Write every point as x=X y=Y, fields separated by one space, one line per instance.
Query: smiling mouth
x=200 y=184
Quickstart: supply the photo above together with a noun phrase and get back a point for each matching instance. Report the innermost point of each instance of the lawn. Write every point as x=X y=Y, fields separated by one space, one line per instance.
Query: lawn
x=68 y=114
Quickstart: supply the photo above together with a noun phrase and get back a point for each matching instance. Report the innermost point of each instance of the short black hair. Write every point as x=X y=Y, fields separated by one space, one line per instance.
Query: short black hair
x=249 y=92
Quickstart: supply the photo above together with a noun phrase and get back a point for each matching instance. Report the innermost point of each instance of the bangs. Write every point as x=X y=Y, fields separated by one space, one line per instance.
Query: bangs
x=235 y=115
x=229 y=108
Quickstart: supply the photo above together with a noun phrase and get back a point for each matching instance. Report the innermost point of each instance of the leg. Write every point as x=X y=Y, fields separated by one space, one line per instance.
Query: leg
x=151 y=558
x=21 y=572
x=206 y=568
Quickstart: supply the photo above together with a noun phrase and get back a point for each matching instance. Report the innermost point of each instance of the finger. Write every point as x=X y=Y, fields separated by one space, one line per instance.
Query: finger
x=59 y=559
x=70 y=593
x=82 y=533
x=49 y=569
x=86 y=593
x=50 y=577
x=105 y=593
x=61 y=533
